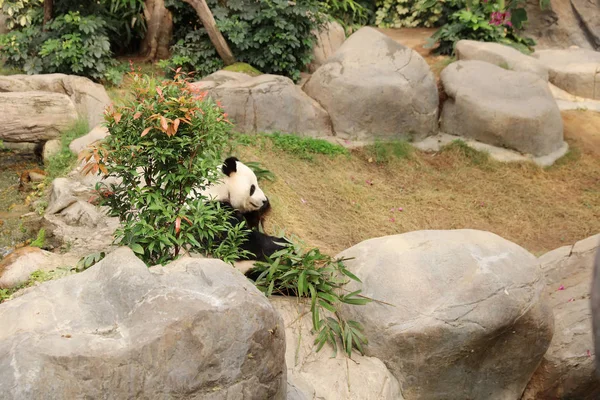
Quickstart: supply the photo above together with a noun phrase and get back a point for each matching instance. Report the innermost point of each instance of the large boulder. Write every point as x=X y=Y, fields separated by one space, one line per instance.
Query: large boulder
x=90 y=99
x=330 y=37
x=560 y=25
x=465 y=316
x=575 y=70
x=567 y=369
x=96 y=134
x=16 y=268
x=267 y=103
x=500 y=55
x=195 y=329
x=500 y=107
x=313 y=375
x=34 y=117
x=373 y=87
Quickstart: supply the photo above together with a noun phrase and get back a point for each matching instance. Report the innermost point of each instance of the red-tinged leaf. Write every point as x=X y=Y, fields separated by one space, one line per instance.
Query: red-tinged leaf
x=137 y=115
x=145 y=132
x=103 y=169
x=177 y=225
x=170 y=131
x=175 y=125
x=163 y=123
x=187 y=219
x=178 y=69
x=117 y=117
x=95 y=169
x=159 y=91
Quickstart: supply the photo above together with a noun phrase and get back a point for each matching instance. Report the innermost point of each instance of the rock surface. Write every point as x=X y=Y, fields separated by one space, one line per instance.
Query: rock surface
x=560 y=26
x=575 y=70
x=500 y=55
x=34 y=116
x=267 y=103
x=502 y=108
x=313 y=375
x=588 y=14
x=468 y=320
x=567 y=369
x=17 y=267
x=96 y=134
x=51 y=148
x=329 y=38
x=90 y=99
x=373 y=87
x=196 y=329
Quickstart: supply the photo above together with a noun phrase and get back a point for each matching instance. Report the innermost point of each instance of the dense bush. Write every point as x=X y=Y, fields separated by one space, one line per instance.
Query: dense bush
x=350 y=12
x=411 y=13
x=273 y=36
x=165 y=143
x=71 y=44
x=195 y=53
x=22 y=13
x=486 y=21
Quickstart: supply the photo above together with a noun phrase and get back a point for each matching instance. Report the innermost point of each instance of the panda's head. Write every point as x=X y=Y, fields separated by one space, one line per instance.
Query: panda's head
x=242 y=188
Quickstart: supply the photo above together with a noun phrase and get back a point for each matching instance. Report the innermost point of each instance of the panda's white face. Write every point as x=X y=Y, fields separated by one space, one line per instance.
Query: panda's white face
x=243 y=191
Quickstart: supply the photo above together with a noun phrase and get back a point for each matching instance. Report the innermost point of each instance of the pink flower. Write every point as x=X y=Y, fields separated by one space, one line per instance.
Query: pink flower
x=561 y=287
x=571 y=300
x=303 y=201
x=400 y=209
x=392 y=209
x=369 y=182
x=392 y=219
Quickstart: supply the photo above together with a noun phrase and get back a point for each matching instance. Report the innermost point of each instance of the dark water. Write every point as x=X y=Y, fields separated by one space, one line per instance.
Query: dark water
x=12 y=200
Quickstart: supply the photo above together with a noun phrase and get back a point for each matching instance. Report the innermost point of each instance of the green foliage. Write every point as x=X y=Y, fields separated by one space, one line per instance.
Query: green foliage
x=89 y=260
x=482 y=21
x=194 y=53
x=2 y=147
x=22 y=13
x=411 y=13
x=465 y=151
x=164 y=146
x=305 y=147
x=383 y=152
x=260 y=172
x=64 y=161
x=322 y=279
x=40 y=240
x=349 y=12
x=36 y=278
x=273 y=36
x=71 y=44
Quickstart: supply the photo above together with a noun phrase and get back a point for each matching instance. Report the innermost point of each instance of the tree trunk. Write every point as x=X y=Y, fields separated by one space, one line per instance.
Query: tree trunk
x=48 y=6
x=159 y=21
x=214 y=34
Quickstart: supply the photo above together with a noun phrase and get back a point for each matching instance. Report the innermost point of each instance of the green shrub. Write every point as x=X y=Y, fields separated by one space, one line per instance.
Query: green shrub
x=349 y=12
x=274 y=36
x=322 y=279
x=165 y=143
x=22 y=13
x=482 y=21
x=410 y=13
x=40 y=240
x=71 y=44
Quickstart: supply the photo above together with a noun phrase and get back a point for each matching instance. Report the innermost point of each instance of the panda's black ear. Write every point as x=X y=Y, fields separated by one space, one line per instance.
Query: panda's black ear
x=230 y=166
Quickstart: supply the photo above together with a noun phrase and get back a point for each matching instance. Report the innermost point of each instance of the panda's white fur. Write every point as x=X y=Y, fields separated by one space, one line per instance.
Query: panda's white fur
x=237 y=186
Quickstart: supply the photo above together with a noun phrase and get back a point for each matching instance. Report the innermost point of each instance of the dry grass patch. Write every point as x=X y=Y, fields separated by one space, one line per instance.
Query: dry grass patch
x=336 y=202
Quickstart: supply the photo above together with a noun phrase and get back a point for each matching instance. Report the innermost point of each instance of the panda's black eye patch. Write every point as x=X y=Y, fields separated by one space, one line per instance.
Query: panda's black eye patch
x=252 y=189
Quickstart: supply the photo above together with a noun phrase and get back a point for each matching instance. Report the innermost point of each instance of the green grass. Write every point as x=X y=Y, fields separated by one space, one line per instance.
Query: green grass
x=40 y=240
x=243 y=67
x=62 y=162
x=302 y=147
x=466 y=152
x=384 y=152
x=36 y=277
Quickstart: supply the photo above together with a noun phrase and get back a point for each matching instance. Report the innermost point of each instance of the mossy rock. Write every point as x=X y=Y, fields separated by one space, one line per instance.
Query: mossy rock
x=244 y=68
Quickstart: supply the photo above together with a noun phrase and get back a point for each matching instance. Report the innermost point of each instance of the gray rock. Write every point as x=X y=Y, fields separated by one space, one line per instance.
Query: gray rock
x=313 y=375
x=558 y=26
x=500 y=55
x=567 y=369
x=90 y=98
x=467 y=317
x=34 y=116
x=17 y=267
x=500 y=107
x=198 y=330
x=218 y=78
x=270 y=103
x=373 y=87
x=329 y=38
x=96 y=134
x=51 y=148
x=588 y=13
x=575 y=70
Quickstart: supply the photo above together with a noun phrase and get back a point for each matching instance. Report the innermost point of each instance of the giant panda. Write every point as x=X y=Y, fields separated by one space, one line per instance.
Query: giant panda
x=237 y=190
